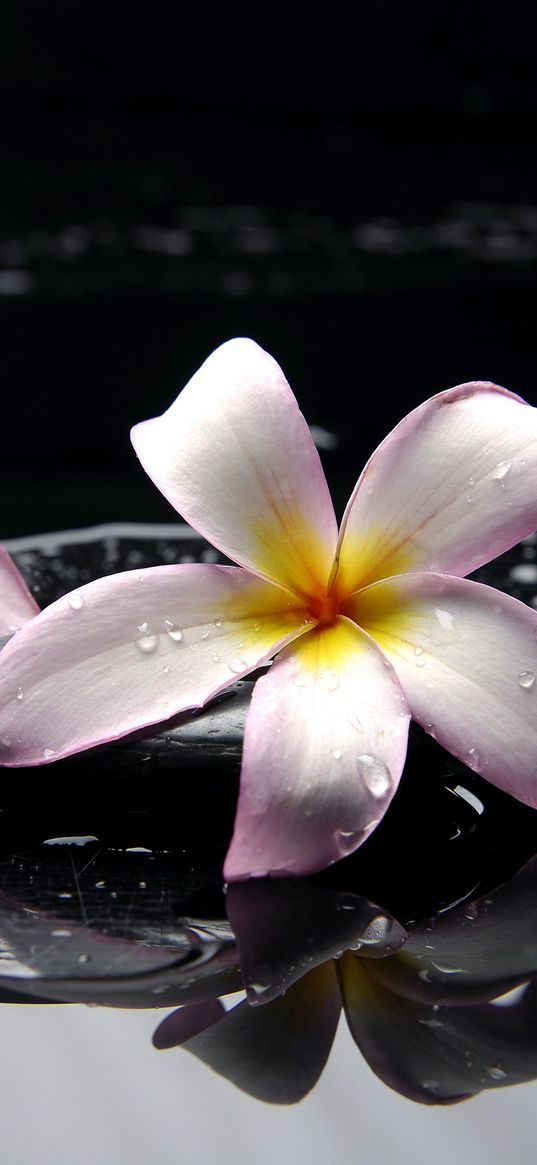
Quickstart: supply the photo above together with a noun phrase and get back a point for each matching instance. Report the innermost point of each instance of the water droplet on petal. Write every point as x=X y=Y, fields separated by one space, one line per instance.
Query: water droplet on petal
x=336 y=753
x=143 y=628
x=445 y=619
x=166 y=667
x=205 y=633
x=217 y=621
x=48 y=752
x=76 y=602
x=175 y=633
x=471 y=481
x=348 y=840
x=215 y=658
x=147 y=644
x=237 y=664
x=526 y=679
x=329 y=680
x=20 y=693
x=376 y=931
x=258 y=989
x=418 y=650
x=501 y=470
x=497 y=1073
x=374 y=773
x=473 y=759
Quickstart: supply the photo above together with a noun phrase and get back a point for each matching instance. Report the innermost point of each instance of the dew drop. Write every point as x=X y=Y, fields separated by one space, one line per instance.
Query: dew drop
x=497 y=1073
x=432 y=1023
x=375 y=774
x=215 y=658
x=348 y=840
x=501 y=470
x=166 y=667
x=445 y=619
x=329 y=680
x=147 y=644
x=376 y=931
x=20 y=693
x=258 y=989
x=471 y=481
x=217 y=621
x=174 y=632
x=421 y=662
x=526 y=679
x=143 y=628
x=76 y=602
x=237 y=664
x=447 y=970
x=473 y=759
x=48 y=752
x=336 y=753
x=205 y=633
x=84 y=958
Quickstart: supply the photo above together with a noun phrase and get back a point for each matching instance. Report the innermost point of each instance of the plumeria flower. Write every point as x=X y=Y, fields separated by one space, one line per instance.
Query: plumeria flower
x=366 y=627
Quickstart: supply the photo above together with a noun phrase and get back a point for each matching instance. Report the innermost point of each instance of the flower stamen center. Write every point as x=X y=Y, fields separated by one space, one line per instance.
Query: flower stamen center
x=323 y=608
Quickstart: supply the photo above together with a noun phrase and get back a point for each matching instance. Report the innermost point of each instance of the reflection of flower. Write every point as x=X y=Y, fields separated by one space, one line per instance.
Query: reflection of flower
x=369 y=626
x=421 y=1015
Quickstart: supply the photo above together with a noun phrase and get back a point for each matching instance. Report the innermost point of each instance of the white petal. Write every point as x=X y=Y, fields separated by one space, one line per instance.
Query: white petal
x=235 y=457
x=451 y=487
x=324 y=747
x=466 y=657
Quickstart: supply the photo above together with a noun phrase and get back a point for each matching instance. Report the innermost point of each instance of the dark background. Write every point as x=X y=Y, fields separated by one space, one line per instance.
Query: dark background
x=357 y=191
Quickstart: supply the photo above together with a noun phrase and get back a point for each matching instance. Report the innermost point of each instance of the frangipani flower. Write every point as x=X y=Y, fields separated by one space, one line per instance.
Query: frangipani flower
x=368 y=626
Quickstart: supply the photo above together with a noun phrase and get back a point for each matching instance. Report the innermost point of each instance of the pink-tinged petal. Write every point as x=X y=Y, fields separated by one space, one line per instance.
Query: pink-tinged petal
x=324 y=746
x=188 y=1022
x=235 y=457
x=452 y=486
x=437 y=1056
x=466 y=658
x=131 y=650
x=277 y=1052
x=285 y=926
x=17 y=605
